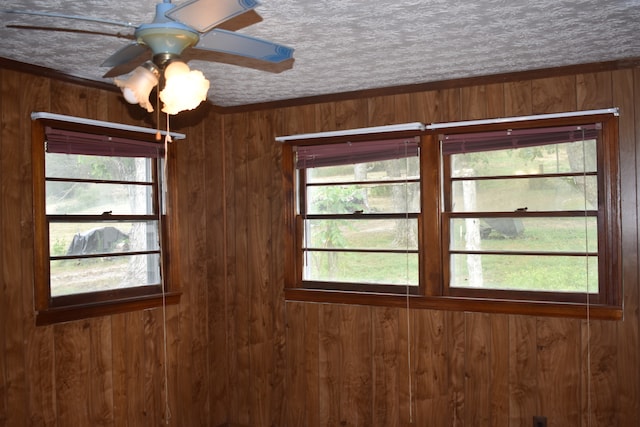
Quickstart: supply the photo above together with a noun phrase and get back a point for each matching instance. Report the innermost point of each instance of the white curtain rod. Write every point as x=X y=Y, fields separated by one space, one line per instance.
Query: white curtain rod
x=436 y=126
x=100 y=123
x=417 y=126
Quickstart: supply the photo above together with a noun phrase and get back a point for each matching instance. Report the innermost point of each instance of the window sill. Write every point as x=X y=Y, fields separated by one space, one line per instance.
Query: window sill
x=82 y=311
x=529 y=308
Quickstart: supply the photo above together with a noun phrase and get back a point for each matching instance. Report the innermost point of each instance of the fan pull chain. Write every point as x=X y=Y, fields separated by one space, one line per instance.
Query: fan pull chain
x=167 y=139
x=407 y=236
x=586 y=251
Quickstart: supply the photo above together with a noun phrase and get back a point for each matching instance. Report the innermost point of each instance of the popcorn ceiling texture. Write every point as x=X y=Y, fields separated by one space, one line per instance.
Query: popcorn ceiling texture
x=346 y=45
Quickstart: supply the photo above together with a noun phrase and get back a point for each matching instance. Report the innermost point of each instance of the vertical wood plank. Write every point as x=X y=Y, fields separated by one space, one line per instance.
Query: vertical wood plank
x=593 y=90
x=100 y=373
x=72 y=343
x=325 y=117
x=628 y=339
x=312 y=365
x=12 y=161
x=152 y=373
x=351 y=114
x=385 y=352
x=553 y=95
x=297 y=120
x=599 y=374
x=478 y=365
x=431 y=372
x=402 y=110
x=558 y=370
x=38 y=341
x=407 y=378
x=329 y=362
x=263 y=351
x=3 y=283
x=355 y=349
x=457 y=375
x=134 y=368
x=40 y=364
x=517 y=98
x=215 y=155
x=523 y=385
x=473 y=102
x=274 y=245
x=195 y=389
x=498 y=371
x=119 y=369
x=238 y=282
x=425 y=107
x=296 y=376
x=380 y=111
x=495 y=101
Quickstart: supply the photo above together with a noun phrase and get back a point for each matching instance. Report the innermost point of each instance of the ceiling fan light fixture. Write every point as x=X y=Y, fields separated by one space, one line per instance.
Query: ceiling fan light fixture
x=184 y=88
x=138 y=86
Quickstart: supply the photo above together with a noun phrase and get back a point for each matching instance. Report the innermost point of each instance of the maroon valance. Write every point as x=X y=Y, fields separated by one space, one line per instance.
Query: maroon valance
x=517 y=138
x=345 y=153
x=71 y=142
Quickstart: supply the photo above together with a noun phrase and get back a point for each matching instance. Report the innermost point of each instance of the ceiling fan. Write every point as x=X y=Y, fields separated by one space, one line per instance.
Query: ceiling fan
x=178 y=33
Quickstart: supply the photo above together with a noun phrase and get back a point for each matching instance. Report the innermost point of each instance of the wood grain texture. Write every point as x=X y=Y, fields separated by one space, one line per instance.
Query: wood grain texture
x=558 y=355
x=240 y=303
x=296 y=373
x=628 y=342
x=15 y=321
x=215 y=255
x=238 y=354
x=385 y=367
x=524 y=397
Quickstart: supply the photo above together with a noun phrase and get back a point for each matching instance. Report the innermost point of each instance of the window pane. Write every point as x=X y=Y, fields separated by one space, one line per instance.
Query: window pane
x=82 y=238
x=105 y=273
x=525 y=234
x=376 y=171
x=357 y=267
x=535 y=194
x=573 y=157
x=369 y=198
x=525 y=273
x=395 y=234
x=97 y=167
x=76 y=198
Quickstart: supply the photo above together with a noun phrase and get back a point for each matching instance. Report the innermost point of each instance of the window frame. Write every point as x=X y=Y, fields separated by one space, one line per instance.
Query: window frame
x=432 y=291
x=301 y=183
x=64 y=308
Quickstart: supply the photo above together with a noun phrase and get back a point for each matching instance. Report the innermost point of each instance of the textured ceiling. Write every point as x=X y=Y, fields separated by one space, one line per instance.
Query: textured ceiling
x=347 y=45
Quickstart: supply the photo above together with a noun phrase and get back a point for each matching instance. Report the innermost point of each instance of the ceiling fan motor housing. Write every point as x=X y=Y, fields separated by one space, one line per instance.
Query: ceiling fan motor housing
x=164 y=36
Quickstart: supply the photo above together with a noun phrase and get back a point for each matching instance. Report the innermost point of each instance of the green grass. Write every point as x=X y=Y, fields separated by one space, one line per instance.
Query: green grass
x=540 y=273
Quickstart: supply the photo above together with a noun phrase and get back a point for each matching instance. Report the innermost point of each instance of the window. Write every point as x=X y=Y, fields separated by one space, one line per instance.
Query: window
x=515 y=217
x=101 y=225
x=359 y=206
x=521 y=211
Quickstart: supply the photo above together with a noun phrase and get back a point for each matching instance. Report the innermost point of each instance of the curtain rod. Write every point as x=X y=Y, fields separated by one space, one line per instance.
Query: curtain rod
x=100 y=123
x=416 y=126
x=435 y=126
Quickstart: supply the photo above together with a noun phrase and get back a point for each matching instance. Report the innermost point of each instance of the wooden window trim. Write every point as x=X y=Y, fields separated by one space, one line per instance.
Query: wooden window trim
x=66 y=308
x=431 y=291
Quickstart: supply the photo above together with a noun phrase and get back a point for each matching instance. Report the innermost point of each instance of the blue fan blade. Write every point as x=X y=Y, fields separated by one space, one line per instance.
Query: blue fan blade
x=239 y=44
x=203 y=15
x=125 y=54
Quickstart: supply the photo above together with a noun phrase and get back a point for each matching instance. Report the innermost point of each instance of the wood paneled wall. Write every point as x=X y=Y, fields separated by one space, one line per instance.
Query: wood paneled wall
x=109 y=371
x=238 y=354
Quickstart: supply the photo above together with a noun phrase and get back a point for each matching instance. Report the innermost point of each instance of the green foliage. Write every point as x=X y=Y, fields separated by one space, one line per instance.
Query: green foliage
x=59 y=247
